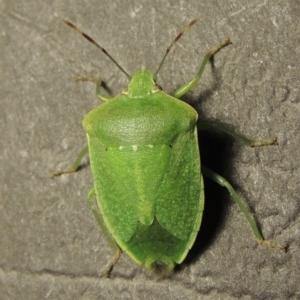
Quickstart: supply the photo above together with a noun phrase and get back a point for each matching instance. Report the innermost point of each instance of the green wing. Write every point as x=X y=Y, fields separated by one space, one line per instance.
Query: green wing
x=146 y=167
x=150 y=192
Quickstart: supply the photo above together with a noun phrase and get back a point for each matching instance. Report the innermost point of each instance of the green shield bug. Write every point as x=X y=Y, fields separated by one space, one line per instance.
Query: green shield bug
x=145 y=163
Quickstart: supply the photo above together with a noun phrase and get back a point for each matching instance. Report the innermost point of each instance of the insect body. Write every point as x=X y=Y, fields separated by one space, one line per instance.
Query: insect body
x=145 y=162
x=146 y=167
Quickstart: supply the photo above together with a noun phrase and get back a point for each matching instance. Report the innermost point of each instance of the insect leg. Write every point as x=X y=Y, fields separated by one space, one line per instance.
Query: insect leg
x=223 y=182
x=99 y=83
x=74 y=168
x=191 y=84
x=241 y=138
x=95 y=210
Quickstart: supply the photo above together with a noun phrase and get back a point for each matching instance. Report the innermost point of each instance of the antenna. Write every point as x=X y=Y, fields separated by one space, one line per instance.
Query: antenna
x=186 y=28
x=97 y=45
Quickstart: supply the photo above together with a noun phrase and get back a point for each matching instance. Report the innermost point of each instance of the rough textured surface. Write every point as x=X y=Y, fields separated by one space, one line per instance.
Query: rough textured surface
x=50 y=245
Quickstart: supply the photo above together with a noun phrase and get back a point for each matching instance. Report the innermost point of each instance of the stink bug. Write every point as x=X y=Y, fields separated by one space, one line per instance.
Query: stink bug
x=145 y=163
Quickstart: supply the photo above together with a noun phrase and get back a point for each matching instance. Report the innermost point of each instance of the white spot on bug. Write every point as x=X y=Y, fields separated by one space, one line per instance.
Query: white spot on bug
x=121 y=148
x=134 y=147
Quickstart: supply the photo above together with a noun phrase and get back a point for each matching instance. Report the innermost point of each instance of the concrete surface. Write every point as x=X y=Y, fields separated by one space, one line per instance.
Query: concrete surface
x=50 y=245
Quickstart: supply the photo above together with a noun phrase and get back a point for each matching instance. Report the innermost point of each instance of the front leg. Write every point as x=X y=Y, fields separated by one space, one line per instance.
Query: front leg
x=99 y=83
x=191 y=84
